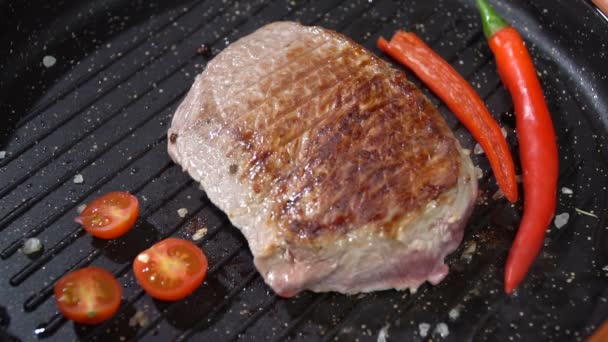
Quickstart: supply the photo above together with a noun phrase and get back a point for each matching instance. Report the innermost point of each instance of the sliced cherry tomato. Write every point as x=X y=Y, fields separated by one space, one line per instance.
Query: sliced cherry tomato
x=171 y=269
x=89 y=295
x=110 y=215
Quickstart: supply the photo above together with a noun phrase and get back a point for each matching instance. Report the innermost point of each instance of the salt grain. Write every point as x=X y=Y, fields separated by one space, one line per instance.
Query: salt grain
x=442 y=329
x=31 y=246
x=182 y=212
x=478 y=172
x=78 y=178
x=49 y=61
x=139 y=319
x=468 y=253
x=143 y=257
x=199 y=234
x=2 y=154
x=561 y=220
x=81 y=208
x=383 y=333
x=567 y=191
x=477 y=149
x=498 y=195
x=423 y=329
x=504 y=132
x=454 y=313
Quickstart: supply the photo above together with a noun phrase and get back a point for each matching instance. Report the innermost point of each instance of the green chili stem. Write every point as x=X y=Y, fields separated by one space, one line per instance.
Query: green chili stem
x=490 y=20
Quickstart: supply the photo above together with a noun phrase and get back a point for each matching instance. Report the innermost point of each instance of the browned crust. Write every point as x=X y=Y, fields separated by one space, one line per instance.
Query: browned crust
x=360 y=146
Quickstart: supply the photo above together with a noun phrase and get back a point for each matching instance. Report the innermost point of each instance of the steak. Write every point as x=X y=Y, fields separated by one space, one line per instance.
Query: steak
x=339 y=172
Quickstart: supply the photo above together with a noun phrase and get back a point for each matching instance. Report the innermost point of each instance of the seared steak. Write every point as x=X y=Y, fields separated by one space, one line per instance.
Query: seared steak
x=339 y=172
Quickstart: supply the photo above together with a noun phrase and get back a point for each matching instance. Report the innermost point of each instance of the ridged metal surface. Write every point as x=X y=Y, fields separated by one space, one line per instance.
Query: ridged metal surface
x=106 y=119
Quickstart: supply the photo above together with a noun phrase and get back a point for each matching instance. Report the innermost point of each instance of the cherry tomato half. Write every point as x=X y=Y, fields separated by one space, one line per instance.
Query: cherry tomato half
x=89 y=295
x=110 y=215
x=171 y=269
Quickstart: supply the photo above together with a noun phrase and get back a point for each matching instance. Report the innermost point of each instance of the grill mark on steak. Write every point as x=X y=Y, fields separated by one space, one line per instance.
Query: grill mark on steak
x=358 y=203
x=247 y=141
x=256 y=144
x=292 y=72
x=269 y=142
x=343 y=61
x=337 y=102
x=273 y=166
x=294 y=56
x=249 y=121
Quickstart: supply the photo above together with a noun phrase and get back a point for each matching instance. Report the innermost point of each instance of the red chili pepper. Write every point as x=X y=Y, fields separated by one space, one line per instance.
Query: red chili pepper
x=461 y=98
x=537 y=145
x=601 y=334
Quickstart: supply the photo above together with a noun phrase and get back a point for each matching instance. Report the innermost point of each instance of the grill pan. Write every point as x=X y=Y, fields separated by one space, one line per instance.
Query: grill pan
x=102 y=111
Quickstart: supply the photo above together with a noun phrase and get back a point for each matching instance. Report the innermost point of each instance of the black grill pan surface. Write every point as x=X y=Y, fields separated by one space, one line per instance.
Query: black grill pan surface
x=102 y=111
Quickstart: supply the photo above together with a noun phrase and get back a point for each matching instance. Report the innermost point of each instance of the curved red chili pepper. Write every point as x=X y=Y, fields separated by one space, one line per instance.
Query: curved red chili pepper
x=461 y=98
x=537 y=144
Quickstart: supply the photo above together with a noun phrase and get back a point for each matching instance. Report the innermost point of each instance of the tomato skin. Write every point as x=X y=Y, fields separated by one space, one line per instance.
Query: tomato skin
x=171 y=269
x=110 y=216
x=89 y=295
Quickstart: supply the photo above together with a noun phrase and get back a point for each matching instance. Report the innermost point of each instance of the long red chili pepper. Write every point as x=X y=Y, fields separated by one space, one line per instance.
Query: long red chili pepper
x=461 y=98
x=537 y=145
